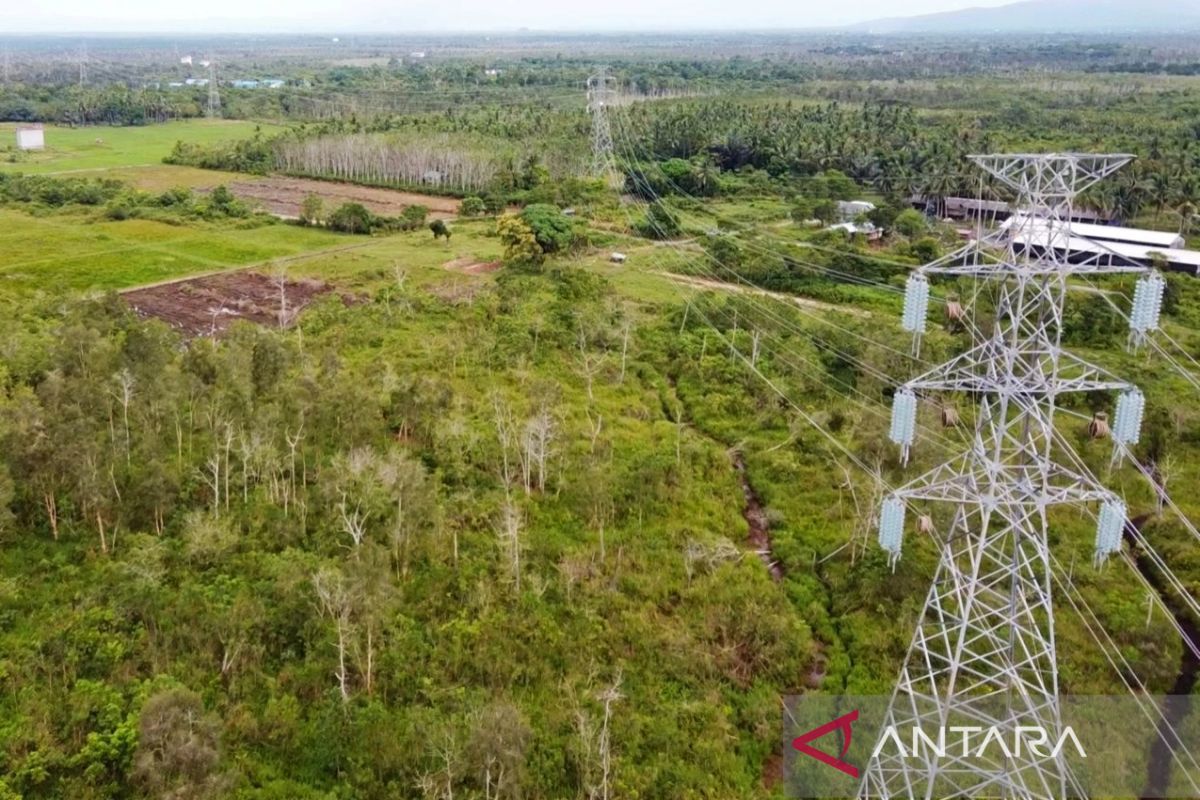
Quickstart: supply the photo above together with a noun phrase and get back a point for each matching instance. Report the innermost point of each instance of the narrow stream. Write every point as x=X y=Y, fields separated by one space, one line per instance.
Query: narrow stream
x=1162 y=748
x=756 y=518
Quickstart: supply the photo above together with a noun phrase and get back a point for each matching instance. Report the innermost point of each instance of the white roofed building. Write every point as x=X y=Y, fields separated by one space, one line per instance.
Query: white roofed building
x=1115 y=233
x=853 y=209
x=1080 y=244
x=31 y=137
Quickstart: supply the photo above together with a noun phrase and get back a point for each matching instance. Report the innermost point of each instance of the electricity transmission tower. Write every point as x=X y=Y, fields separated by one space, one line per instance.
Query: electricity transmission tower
x=214 y=94
x=984 y=647
x=600 y=93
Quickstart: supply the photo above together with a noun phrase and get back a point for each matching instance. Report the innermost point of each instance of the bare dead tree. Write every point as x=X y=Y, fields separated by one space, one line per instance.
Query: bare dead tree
x=334 y=599
x=279 y=278
x=508 y=535
x=590 y=364
x=506 y=436
x=123 y=392
x=538 y=439
x=354 y=521
x=608 y=697
x=596 y=426
x=293 y=441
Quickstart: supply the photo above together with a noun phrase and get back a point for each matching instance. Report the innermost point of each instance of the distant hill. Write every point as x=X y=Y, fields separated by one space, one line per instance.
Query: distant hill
x=1058 y=16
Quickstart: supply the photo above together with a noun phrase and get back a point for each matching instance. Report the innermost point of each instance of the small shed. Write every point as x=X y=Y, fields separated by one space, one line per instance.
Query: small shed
x=31 y=137
x=617 y=258
x=866 y=229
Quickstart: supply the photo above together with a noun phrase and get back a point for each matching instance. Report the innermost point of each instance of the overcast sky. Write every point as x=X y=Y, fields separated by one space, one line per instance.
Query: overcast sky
x=447 y=15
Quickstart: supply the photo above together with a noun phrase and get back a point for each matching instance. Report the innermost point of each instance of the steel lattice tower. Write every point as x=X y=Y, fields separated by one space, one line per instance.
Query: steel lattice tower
x=214 y=91
x=984 y=646
x=599 y=96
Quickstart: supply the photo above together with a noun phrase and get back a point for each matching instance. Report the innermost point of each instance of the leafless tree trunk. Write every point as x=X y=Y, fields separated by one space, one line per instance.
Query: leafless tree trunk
x=335 y=602
x=508 y=532
x=609 y=696
x=538 y=439
x=293 y=441
x=590 y=363
x=506 y=437
x=279 y=278
x=124 y=394
x=354 y=522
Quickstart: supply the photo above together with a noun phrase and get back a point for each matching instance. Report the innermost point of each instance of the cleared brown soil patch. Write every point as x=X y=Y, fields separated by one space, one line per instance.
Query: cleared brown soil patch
x=469 y=266
x=283 y=196
x=207 y=306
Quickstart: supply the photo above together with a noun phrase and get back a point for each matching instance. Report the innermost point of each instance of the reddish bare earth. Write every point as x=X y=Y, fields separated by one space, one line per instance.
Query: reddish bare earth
x=208 y=306
x=282 y=196
x=470 y=266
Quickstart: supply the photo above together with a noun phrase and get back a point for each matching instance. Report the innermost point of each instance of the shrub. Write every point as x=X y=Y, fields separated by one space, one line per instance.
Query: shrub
x=911 y=222
x=659 y=223
x=550 y=227
x=352 y=218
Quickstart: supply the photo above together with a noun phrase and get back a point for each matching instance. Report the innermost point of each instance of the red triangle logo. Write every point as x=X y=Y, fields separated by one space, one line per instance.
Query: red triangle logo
x=843 y=724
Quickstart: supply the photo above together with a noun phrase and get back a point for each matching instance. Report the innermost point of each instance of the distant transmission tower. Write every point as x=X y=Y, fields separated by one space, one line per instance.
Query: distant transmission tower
x=600 y=93
x=82 y=65
x=214 y=94
x=984 y=646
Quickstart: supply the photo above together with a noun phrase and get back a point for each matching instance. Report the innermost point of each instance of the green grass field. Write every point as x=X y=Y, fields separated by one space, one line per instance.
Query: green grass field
x=68 y=252
x=104 y=148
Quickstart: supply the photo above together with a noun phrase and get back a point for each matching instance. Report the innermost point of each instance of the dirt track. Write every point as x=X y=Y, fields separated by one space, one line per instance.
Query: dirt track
x=207 y=306
x=283 y=196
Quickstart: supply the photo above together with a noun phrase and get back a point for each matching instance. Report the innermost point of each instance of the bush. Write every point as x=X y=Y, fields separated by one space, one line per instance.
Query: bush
x=659 y=223
x=911 y=222
x=926 y=249
x=413 y=217
x=551 y=228
x=311 y=209
x=472 y=206
x=352 y=218
x=221 y=203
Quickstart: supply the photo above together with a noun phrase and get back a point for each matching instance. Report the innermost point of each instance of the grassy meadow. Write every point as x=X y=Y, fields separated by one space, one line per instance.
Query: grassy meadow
x=72 y=252
x=98 y=149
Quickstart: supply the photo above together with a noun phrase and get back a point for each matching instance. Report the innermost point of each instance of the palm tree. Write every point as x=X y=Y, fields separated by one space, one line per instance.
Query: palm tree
x=1161 y=191
x=1187 y=211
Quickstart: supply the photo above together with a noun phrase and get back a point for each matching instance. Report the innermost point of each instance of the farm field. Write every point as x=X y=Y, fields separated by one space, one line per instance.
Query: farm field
x=209 y=305
x=283 y=195
x=98 y=148
x=160 y=177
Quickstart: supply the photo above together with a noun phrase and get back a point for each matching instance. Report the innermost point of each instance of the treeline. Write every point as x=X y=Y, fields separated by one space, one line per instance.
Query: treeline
x=898 y=150
x=437 y=163
x=117 y=200
x=107 y=105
